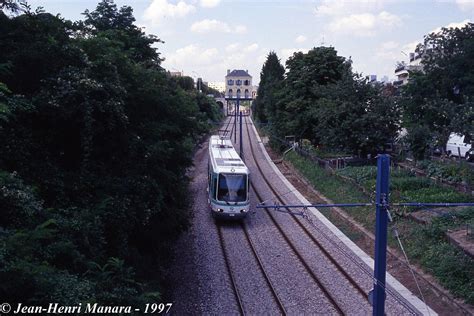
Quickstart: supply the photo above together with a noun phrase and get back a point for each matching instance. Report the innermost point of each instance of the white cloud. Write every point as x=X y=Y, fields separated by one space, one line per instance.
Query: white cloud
x=286 y=53
x=410 y=47
x=251 y=48
x=190 y=56
x=364 y=24
x=236 y=61
x=465 y=5
x=388 y=19
x=209 y=3
x=329 y=8
x=232 y=47
x=159 y=10
x=389 y=51
x=207 y=26
x=300 y=39
x=344 y=7
x=261 y=59
x=356 y=17
x=240 y=29
x=211 y=64
x=389 y=45
x=453 y=25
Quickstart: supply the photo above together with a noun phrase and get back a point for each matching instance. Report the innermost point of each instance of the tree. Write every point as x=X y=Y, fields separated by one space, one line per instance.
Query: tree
x=35 y=47
x=271 y=78
x=96 y=141
x=324 y=101
x=14 y=6
x=439 y=97
x=118 y=24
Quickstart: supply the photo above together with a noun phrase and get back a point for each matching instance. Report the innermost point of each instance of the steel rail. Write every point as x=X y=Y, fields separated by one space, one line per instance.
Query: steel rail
x=395 y=295
x=257 y=258
x=227 y=127
x=238 y=299
x=323 y=288
x=351 y=280
x=264 y=272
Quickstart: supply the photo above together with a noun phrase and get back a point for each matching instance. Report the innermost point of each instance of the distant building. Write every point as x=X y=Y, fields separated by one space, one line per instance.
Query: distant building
x=371 y=78
x=254 y=92
x=238 y=83
x=176 y=73
x=217 y=85
x=199 y=84
x=403 y=69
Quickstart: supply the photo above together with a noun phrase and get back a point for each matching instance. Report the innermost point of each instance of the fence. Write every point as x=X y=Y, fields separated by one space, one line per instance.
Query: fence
x=327 y=163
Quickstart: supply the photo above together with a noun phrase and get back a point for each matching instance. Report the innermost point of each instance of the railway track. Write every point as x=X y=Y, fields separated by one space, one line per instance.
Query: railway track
x=226 y=129
x=251 y=245
x=299 y=223
x=230 y=272
x=260 y=265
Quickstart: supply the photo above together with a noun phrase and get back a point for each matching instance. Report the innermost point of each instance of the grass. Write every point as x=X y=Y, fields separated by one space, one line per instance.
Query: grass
x=405 y=186
x=425 y=244
x=335 y=189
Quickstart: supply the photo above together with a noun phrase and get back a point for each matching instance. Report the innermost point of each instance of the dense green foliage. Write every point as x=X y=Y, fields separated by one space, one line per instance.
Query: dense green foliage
x=13 y=5
x=452 y=172
x=96 y=139
x=322 y=100
x=425 y=244
x=450 y=265
x=439 y=100
x=271 y=80
x=405 y=186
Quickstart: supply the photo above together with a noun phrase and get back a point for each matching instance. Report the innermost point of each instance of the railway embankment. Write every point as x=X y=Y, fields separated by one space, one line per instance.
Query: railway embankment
x=445 y=270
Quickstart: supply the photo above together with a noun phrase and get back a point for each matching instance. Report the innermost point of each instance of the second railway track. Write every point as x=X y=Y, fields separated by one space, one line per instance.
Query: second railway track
x=324 y=287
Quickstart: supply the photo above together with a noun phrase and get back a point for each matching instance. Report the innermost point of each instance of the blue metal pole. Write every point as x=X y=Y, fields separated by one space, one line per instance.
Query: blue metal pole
x=381 y=224
x=235 y=125
x=241 y=144
x=314 y=205
x=416 y=204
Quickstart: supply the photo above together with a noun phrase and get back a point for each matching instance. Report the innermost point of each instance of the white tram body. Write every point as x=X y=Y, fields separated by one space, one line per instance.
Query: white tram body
x=228 y=180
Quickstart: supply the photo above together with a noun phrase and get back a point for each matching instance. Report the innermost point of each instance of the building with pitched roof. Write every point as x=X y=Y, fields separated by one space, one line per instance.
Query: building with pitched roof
x=238 y=84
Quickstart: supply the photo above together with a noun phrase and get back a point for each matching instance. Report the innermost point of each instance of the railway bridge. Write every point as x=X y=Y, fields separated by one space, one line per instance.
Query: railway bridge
x=228 y=103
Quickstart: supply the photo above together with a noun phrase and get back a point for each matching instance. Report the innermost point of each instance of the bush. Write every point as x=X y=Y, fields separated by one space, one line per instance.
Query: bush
x=95 y=155
x=453 y=172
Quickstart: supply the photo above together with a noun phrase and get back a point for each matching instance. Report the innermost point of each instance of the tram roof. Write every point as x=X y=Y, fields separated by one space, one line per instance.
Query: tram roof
x=223 y=156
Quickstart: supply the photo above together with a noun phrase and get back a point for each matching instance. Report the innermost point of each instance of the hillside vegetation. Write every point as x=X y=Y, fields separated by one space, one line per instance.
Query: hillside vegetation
x=95 y=141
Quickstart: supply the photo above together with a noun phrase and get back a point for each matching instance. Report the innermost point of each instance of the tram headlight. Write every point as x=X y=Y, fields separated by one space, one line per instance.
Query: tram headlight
x=220 y=210
x=243 y=211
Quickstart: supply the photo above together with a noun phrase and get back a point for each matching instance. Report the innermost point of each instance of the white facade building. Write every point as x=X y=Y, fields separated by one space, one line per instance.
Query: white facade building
x=403 y=69
x=238 y=83
x=217 y=85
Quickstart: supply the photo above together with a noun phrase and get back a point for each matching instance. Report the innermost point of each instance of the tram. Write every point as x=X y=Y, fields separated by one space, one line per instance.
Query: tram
x=228 y=180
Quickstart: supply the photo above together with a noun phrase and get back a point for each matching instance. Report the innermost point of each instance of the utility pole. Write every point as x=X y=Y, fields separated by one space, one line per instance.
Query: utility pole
x=381 y=225
x=241 y=144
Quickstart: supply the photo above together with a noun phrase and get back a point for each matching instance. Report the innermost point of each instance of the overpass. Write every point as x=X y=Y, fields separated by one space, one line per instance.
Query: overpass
x=230 y=102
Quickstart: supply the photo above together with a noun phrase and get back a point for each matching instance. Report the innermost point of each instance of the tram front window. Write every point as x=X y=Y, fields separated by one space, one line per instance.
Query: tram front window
x=232 y=188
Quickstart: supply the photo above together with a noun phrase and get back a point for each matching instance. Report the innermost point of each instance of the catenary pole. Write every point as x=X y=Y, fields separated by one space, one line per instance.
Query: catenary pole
x=241 y=144
x=381 y=225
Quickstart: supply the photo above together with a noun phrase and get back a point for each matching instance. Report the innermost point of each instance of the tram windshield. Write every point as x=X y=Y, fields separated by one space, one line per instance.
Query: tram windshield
x=232 y=188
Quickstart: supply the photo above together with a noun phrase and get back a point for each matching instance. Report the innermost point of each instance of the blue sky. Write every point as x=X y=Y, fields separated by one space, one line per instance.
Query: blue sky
x=205 y=37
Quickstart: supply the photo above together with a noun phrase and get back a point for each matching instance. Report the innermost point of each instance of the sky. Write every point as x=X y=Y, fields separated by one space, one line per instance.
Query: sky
x=204 y=38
